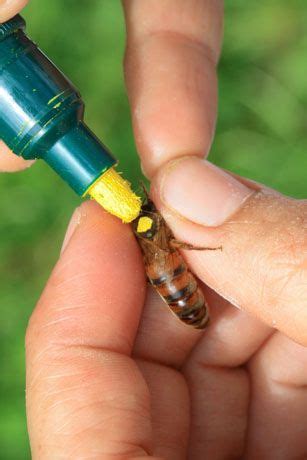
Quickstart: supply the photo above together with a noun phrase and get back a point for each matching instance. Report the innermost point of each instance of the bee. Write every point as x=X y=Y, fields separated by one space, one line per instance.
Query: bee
x=166 y=269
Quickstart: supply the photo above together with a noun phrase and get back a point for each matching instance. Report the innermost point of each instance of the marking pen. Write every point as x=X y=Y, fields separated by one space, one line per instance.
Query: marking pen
x=41 y=116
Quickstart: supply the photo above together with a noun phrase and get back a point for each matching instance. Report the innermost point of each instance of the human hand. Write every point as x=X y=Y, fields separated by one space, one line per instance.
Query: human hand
x=99 y=385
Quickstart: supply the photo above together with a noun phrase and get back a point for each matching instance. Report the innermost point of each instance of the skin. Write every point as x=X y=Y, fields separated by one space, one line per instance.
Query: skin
x=110 y=373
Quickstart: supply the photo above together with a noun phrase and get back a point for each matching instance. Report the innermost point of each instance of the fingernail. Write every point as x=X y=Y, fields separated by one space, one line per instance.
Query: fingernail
x=72 y=226
x=202 y=192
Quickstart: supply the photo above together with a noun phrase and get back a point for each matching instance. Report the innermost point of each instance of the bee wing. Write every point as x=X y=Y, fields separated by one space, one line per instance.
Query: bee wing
x=164 y=236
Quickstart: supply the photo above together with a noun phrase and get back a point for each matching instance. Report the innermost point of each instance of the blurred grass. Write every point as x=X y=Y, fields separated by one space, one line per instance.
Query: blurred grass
x=260 y=134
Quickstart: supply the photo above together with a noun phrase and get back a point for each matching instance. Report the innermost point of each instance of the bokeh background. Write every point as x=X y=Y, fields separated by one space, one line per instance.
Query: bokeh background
x=261 y=134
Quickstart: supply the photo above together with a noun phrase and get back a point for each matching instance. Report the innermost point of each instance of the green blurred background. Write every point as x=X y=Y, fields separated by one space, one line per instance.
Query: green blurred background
x=261 y=133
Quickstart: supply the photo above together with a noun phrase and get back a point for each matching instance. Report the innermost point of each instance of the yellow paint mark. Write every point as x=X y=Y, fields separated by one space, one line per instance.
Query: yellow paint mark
x=114 y=193
x=144 y=224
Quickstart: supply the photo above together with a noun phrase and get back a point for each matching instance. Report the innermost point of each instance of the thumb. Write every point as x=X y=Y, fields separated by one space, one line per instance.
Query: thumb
x=263 y=265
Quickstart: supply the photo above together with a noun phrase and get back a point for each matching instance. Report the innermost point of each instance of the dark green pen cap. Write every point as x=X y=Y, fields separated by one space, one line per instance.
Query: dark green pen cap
x=41 y=112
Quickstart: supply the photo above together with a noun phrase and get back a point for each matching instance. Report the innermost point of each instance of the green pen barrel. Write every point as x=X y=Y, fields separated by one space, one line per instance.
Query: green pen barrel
x=41 y=112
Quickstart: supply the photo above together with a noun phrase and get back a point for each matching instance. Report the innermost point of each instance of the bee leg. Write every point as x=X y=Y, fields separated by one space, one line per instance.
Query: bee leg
x=190 y=247
x=144 y=190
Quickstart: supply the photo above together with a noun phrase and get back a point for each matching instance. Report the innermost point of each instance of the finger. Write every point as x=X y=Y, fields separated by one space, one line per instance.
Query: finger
x=9 y=8
x=161 y=337
x=233 y=336
x=263 y=265
x=10 y=162
x=219 y=394
x=219 y=406
x=277 y=422
x=230 y=339
x=85 y=395
x=172 y=51
x=168 y=392
x=219 y=389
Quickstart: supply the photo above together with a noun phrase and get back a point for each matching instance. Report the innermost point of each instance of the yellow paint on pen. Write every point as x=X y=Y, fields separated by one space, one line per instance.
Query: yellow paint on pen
x=114 y=194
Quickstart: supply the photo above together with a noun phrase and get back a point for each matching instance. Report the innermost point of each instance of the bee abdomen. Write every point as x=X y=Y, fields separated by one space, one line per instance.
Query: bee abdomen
x=173 y=291
x=192 y=309
x=165 y=277
x=180 y=291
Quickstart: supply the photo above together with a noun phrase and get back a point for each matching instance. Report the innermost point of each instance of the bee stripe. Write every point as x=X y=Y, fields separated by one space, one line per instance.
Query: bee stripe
x=179 y=270
x=194 y=301
x=158 y=281
x=193 y=314
x=183 y=303
x=164 y=278
x=196 y=315
x=198 y=305
x=183 y=293
x=200 y=319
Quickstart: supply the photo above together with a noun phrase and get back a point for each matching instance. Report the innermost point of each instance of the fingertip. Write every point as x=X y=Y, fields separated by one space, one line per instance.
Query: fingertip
x=95 y=224
x=97 y=288
x=170 y=68
x=264 y=242
x=74 y=222
x=201 y=192
x=93 y=233
x=9 y=162
x=80 y=339
x=9 y=8
x=174 y=113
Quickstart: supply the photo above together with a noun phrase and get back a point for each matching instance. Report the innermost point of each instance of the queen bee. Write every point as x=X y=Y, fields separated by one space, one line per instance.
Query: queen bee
x=166 y=269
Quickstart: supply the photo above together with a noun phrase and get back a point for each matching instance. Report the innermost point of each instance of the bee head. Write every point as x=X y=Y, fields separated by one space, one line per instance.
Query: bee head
x=146 y=225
